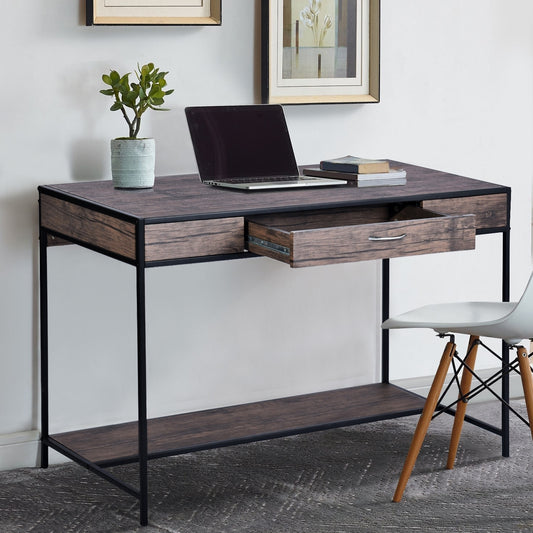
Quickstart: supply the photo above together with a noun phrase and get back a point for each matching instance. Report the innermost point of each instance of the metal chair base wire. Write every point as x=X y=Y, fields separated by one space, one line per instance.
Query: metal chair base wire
x=459 y=366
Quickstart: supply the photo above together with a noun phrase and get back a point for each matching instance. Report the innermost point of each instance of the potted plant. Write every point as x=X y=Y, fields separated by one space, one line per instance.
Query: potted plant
x=132 y=158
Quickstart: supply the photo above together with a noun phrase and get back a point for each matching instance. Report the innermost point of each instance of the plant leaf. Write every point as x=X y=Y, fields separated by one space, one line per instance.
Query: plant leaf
x=129 y=99
x=145 y=70
x=159 y=94
x=123 y=86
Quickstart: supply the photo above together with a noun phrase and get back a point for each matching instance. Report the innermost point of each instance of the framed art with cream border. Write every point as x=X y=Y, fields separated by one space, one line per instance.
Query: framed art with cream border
x=320 y=51
x=154 y=12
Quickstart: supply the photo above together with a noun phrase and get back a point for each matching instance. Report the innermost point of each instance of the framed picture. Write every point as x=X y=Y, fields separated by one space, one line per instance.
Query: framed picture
x=320 y=51
x=158 y=12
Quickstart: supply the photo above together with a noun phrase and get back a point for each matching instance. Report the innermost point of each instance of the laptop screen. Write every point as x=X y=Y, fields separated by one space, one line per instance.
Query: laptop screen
x=232 y=142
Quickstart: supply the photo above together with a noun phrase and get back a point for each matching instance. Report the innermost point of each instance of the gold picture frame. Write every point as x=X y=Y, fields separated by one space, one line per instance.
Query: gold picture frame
x=320 y=51
x=154 y=12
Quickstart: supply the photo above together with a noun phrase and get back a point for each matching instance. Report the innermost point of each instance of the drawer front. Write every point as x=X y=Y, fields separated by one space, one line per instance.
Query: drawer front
x=490 y=209
x=87 y=226
x=427 y=233
x=195 y=238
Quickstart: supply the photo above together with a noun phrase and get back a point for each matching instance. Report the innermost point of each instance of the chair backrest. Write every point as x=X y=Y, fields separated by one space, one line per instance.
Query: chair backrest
x=520 y=319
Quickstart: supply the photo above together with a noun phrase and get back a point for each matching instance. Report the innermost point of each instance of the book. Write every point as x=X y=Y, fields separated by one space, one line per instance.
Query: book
x=358 y=165
x=381 y=182
x=393 y=173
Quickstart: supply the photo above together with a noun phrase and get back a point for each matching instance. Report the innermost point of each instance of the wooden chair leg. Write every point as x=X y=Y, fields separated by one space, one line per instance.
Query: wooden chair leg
x=460 y=411
x=425 y=419
x=527 y=383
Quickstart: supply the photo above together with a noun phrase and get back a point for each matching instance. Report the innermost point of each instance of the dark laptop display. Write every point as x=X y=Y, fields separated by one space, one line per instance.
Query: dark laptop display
x=245 y=147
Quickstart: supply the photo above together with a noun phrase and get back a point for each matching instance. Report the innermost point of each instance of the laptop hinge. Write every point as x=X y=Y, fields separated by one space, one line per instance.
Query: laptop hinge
x=269 y=245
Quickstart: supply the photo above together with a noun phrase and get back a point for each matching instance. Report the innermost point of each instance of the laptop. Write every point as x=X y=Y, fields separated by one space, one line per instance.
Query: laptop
x=246 y=147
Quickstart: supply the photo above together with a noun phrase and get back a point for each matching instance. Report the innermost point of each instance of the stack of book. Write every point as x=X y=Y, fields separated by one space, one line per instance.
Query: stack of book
x=362 y=172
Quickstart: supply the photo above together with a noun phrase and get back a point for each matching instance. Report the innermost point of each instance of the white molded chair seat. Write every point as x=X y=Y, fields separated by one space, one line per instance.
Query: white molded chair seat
x=486 y=319
x=510 y=321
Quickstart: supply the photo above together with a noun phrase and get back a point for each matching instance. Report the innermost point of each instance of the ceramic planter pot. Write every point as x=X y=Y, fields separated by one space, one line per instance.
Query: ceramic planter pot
x=133 y=163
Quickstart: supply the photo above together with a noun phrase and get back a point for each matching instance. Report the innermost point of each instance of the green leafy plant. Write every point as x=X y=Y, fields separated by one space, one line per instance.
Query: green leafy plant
x=146 y=93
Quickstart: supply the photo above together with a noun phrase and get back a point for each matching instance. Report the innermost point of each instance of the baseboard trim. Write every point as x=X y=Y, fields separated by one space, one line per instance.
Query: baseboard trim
x=421 y=385
x=19 y=449
x=22 y=450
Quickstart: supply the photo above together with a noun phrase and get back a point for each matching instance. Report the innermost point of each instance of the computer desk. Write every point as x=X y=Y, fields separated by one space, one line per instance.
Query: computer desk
x=182 y=221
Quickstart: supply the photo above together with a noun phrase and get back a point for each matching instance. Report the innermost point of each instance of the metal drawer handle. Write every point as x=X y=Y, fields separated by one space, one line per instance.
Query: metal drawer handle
x=396 y=238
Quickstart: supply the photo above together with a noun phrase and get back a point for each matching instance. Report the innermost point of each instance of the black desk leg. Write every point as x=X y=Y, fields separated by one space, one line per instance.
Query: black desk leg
x=385 y=299
x=506 y=264
x=43 y=310
x=141 y=377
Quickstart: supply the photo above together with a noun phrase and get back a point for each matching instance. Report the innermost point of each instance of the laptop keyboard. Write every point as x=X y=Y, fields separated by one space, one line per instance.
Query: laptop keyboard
x=263 y=179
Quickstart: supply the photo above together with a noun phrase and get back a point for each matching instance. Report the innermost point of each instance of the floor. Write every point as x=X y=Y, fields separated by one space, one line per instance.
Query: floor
x=333 y=481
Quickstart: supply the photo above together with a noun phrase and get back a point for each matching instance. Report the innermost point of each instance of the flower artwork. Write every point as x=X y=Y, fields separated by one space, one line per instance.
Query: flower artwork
x=320 y=51
x=310 y=17
x=316 y=34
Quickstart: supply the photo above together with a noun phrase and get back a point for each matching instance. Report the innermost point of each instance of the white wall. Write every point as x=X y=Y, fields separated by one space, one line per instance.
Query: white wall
x=457 y=91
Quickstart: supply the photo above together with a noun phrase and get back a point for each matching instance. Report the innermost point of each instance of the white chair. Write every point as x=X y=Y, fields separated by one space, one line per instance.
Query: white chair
x=510 y=321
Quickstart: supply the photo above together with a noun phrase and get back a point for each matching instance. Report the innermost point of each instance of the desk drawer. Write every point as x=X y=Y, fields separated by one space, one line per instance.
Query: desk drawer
x=490 y=209
x=360 y=234
x=195 y=238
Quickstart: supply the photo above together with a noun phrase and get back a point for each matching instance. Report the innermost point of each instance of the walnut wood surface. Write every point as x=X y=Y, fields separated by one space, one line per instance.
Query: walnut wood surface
x=195 y=238
x=322 y=218
x=52 y=240
x=346 y=237
x=491 y=210
x=88 y=226
x=186 y=198
x=251 y=421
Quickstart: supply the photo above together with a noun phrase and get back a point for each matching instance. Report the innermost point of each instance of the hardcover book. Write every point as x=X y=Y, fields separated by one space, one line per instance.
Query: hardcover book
x=354 y=164
x=393 y=173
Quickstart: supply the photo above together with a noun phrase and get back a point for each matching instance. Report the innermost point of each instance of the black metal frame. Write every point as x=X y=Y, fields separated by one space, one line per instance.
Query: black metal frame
x=49 y=442
x=140 y=265
x=141 y=374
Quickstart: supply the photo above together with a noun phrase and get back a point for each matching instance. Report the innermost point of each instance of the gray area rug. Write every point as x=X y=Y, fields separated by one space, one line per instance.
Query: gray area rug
x=328 y=482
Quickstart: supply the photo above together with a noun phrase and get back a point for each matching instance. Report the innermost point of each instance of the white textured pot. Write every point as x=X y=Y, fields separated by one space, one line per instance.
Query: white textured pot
x=133 y=163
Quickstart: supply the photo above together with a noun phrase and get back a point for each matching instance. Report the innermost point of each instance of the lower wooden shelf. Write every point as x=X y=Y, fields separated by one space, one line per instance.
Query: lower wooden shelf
x=173 y=435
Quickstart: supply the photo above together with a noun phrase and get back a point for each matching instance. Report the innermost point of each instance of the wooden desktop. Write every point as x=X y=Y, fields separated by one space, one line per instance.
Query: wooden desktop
x=183 y=221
